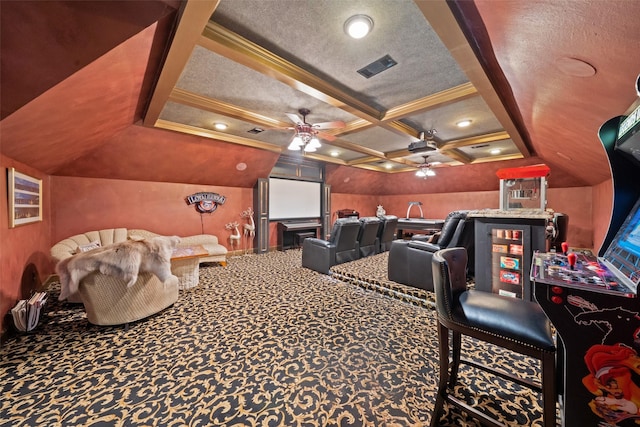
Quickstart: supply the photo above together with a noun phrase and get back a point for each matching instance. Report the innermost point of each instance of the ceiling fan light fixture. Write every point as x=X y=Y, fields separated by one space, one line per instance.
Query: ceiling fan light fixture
x=296 y=144
x=315 y=143
x=424 y=169
x=309 y=148
x=424 y=172
x=358 y=26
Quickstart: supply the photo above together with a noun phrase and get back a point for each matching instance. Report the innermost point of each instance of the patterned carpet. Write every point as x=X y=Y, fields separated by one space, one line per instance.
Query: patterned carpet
x=371 y=273
x=260 y=342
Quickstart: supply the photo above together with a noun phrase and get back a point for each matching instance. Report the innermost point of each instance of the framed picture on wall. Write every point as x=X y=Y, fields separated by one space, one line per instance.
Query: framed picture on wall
x=25 y=198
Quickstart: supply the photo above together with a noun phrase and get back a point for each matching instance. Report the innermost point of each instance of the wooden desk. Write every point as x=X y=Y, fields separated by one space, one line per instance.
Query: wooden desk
x=419 y=225
x=185 y=265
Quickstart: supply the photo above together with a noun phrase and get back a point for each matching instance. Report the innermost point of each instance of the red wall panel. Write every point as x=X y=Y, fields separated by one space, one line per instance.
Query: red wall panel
x=84 y=204
x=24 y=250
x=602 y=207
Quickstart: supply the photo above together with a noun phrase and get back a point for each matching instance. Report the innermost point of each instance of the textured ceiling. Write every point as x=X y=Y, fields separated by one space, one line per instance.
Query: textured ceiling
x=257 y=61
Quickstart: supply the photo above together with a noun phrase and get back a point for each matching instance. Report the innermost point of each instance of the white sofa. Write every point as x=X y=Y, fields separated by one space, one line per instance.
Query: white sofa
x=69 y=246
x=217 y=252
x=106 y=299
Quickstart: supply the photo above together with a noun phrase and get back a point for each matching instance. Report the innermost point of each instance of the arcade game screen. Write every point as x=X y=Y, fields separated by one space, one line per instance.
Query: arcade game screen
x=624 y=252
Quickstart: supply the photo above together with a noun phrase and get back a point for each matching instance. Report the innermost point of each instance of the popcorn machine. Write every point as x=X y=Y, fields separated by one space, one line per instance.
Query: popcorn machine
x=524 y=187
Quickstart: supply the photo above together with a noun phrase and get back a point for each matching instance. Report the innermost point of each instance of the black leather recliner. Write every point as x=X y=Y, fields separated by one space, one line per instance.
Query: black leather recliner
x=410 y=260
x=368 y=236
x=342 y=246
x=387 y=232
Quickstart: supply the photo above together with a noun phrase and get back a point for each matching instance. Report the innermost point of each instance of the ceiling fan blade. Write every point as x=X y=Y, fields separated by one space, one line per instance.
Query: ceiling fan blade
x=329 y=125
x=295 y=118
x=326 y=136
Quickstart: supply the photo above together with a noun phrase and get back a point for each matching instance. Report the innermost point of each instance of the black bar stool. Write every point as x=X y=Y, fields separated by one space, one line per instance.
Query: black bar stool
x=518 y=325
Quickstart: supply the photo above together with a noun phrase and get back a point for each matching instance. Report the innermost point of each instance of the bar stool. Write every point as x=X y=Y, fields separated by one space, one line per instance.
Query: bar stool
x=517 y=325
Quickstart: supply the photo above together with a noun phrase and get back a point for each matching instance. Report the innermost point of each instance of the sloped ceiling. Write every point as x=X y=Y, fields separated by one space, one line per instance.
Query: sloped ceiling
x=77 y=78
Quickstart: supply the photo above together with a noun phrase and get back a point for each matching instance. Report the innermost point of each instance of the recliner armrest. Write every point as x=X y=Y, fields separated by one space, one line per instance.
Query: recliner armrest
x=318 y=242
x=425 y=246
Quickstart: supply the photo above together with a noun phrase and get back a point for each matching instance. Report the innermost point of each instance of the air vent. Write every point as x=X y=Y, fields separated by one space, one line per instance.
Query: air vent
x=475 y=147
x=377 y=67
x=256 y=130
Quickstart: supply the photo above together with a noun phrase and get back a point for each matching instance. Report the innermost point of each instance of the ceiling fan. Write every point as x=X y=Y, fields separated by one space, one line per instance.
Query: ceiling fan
x=424 y=169
x=306 y=136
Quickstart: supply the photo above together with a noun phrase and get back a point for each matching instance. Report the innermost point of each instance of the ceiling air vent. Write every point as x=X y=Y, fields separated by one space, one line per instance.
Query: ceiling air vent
x=256 y=130
x=475 y=147
x=376 y=67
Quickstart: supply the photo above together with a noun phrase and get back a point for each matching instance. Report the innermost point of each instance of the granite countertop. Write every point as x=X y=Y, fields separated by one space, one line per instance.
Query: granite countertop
x=512 y=213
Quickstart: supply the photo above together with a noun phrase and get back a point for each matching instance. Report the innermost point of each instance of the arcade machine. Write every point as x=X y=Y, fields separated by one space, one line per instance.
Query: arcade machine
x=593 y=301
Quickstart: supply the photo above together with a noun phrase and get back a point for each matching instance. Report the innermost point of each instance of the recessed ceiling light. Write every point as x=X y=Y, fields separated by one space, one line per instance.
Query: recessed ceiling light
x=358 y=26
x=220 y=126
x=463 y=123
x=388 y=166
x=495 y=151
x=335 y=154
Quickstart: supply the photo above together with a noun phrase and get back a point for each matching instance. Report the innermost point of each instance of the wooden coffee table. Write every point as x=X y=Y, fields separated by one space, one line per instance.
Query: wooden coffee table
x=185 y=265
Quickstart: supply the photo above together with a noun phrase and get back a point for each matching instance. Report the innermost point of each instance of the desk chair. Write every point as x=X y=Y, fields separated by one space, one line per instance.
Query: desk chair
x=517 y=325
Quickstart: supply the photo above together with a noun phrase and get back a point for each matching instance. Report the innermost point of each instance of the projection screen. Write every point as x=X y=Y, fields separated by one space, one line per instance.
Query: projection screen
x=289 y=199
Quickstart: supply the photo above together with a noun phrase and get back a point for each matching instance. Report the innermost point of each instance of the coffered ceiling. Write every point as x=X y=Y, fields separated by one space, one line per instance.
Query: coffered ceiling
x=247 y=63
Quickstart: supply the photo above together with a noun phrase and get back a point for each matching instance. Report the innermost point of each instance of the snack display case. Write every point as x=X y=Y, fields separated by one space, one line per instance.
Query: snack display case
x=504 y=244
x=507 y=261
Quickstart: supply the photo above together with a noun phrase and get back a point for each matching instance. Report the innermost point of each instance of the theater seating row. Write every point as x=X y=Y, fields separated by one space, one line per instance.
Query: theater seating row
x=350 y=239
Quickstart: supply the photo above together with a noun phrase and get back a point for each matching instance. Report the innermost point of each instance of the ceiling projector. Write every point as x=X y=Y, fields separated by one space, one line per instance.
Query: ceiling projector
x=422 y=145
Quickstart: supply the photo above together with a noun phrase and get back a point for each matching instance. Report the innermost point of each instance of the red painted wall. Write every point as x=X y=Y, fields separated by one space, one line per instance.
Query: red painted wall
x=74 y=205
x=602 y=207
x=85 y=204
x=24 y=250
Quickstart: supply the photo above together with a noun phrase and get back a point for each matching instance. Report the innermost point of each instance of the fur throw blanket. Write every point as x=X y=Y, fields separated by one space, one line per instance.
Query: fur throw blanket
x=124 y=260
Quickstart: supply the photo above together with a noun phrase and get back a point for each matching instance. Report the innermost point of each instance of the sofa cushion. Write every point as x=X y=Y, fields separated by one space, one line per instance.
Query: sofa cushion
x=89 y=247
x=69 y=246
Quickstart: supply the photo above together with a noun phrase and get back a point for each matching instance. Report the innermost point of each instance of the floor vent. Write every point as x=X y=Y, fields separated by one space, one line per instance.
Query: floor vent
x=376 y=67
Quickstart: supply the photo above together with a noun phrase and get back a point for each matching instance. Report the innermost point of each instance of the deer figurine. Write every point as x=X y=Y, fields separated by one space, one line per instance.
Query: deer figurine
x=234 y=239
x=249 y=228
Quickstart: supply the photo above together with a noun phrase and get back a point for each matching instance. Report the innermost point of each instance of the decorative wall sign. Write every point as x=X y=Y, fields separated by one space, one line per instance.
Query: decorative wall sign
x=205 y=202
x=25 y=198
